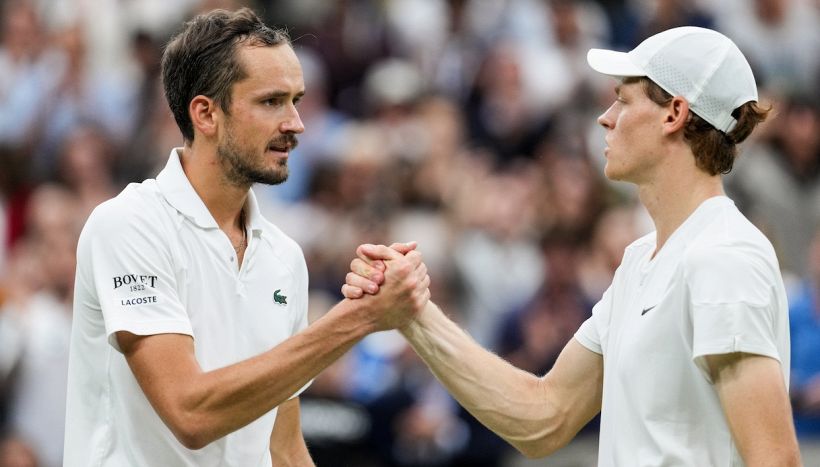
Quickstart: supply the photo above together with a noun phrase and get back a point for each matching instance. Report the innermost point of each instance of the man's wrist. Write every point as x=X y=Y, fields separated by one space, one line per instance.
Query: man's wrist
x=364 y=317
x=416 y=325
x=352 y=316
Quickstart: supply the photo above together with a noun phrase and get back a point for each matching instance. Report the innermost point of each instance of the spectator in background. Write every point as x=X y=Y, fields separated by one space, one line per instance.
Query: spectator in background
x=532 y=337
x=138 y=161
x=496 y=213
x=576 y=27
x=667 y=14
x=84 y=166
x=15 y=190
x=27 y=72
x=23 y=278
x=598 y=259
x=573 y=194
x=780 y=37
x=352 y=36
x=392 y=89
x=36 y=325
x=452 y=67
x=80 y=95
x=155 y=131
x=804 y=312
x=778 y=185
x=624 y=23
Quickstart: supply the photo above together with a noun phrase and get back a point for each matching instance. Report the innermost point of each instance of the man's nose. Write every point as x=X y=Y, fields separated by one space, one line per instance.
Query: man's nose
x=606 y=120
x=293 y=124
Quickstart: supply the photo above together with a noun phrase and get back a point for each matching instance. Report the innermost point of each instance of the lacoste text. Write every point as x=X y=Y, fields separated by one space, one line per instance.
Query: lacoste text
x=139 y=301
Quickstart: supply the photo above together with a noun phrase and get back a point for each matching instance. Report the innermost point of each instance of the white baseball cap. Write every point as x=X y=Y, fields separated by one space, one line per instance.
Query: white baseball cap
x=703 y=66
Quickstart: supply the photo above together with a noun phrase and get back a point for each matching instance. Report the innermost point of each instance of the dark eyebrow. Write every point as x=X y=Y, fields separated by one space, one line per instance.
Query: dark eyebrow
x=280 y=95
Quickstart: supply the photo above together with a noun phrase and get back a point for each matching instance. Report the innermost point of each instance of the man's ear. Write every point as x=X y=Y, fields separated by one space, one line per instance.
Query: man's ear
x=204 y=115
x=676 y=116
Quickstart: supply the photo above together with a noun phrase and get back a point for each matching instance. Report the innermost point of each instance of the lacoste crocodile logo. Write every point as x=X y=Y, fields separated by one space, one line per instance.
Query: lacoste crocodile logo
x=279 y=299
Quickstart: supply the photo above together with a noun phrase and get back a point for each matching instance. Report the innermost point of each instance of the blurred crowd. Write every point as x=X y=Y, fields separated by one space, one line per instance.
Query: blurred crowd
x=467 y=125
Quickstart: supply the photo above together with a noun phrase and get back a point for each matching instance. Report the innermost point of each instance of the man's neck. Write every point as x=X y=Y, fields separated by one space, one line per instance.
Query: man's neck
x=673 y=195
x=223 y=200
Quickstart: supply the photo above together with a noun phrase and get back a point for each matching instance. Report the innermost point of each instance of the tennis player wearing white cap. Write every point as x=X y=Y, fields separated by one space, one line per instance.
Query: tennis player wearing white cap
x=686 y=356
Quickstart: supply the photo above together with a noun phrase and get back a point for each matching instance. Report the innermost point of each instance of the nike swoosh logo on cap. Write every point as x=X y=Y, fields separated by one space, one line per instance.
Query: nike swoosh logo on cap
x=646 y=310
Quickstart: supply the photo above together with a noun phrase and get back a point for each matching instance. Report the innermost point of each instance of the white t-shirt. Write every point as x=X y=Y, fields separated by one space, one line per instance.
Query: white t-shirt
x=713 y=288
x=153 y=261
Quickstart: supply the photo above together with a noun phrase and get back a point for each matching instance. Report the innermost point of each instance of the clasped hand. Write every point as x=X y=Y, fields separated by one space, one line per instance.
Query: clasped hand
x=393 y=280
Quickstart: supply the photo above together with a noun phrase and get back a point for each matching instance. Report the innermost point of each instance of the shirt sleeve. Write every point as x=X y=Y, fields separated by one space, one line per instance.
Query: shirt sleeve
x=732 y=303
x=132 y=272
x=591 y=332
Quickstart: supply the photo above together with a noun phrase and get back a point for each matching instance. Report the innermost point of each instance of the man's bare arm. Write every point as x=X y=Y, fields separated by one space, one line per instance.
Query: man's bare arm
x=536 y=415
x=287 y=445
x=756 y=404
x=200 y=407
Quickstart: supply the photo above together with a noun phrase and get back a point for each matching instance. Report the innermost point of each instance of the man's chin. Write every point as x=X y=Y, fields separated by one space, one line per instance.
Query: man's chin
x=610 y=174
x=272 y=178
x=613 y=174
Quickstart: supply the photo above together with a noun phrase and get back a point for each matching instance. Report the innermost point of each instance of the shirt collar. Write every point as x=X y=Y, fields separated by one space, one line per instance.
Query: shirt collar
x=701 y=216
x=255 y=220
x=178 y=191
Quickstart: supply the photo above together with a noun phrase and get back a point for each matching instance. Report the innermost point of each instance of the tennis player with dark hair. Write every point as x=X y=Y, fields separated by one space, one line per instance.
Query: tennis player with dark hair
x=190 y=342
x=686 y=355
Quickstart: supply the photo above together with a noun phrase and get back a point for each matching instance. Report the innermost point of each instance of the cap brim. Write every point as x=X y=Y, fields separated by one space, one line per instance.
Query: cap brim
x=610 y=62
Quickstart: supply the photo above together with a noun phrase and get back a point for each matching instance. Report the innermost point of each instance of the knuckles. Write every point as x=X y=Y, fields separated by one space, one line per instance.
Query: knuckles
x=414 y=257
x=351 y=278
x=402 y=268
x=349 y=291
x=405 y=279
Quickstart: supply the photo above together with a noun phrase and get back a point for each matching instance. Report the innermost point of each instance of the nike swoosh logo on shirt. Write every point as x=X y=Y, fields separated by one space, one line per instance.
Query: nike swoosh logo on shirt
x=646 y=310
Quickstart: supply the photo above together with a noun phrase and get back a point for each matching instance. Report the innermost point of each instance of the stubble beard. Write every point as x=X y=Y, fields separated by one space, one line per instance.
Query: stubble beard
x=243 y=167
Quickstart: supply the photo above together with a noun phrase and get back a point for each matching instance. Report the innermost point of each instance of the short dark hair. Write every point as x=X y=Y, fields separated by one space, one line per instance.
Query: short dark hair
x=714 y=150
x=202 y=59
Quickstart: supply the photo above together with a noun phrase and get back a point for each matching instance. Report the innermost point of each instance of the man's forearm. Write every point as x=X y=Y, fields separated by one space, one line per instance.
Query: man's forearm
x=511 y=402
x=201 y=407
x=274 y=376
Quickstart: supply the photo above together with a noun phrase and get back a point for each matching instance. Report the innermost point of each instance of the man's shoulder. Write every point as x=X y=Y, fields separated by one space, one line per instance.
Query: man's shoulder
x=731 y=249
x=729 y=234
x=640 y=245
x=137 y=205
x=281 y=241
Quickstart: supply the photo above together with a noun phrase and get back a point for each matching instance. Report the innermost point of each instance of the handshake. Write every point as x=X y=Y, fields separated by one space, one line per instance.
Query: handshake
x=392 y=283
x=388 y=288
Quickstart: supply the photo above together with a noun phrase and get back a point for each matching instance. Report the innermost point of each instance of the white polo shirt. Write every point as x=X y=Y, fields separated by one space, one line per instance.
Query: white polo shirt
x=714 y=288
x=153 y=261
